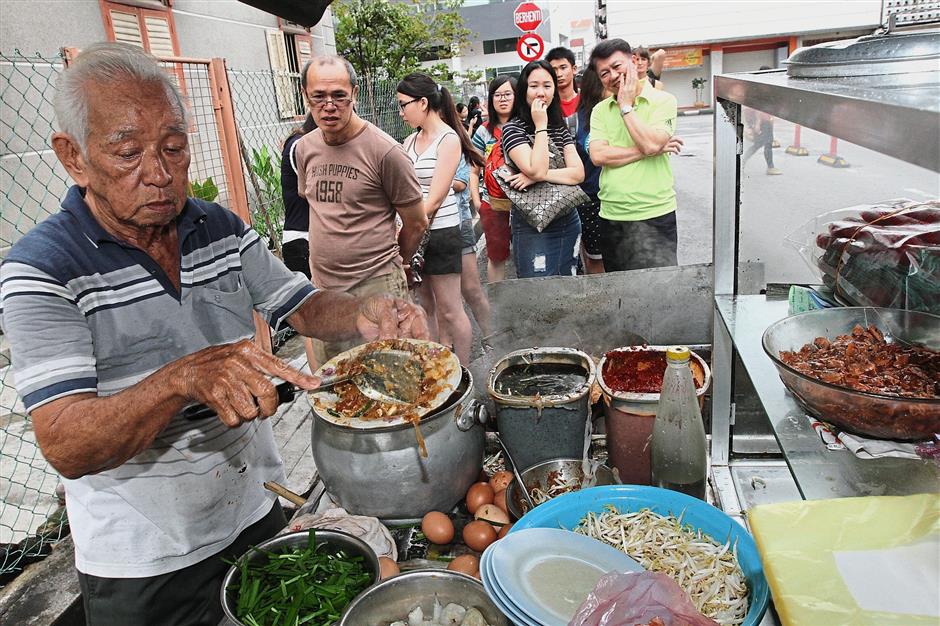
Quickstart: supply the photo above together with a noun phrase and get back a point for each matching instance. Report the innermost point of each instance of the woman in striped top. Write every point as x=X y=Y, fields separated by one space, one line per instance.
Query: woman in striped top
x=436 y=150
x=537 y=120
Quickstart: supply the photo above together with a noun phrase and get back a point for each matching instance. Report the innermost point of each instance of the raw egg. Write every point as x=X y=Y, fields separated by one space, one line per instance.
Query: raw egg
x=438 y=528
x=388 y=567
x=492 y=514
x=478 y=535
x=478 y=495
x=500 y=480
x=503 y=531
x=499 y=499
x=466 y=564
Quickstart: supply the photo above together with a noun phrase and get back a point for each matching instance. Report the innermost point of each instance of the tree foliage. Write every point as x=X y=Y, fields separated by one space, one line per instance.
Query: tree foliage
x=384 y=39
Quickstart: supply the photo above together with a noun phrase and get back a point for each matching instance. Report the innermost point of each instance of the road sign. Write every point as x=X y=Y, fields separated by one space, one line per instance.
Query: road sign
x=530 y=47
x=527 y=16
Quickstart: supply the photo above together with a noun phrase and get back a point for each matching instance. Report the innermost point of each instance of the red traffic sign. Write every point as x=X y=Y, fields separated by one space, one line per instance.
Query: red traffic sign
x=527 y=16
x=530 y=47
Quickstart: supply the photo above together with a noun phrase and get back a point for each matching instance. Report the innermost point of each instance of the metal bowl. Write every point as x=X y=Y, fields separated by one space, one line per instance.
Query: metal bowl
x=538 y=476
x=334 y=540
x=870 y=414
x=393 y=598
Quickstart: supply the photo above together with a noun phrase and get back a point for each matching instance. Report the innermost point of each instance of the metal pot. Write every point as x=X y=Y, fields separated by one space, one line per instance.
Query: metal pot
x=333 y=541
x=393 y=598
x=380 y=471
x=538 y=428
x=540 y=476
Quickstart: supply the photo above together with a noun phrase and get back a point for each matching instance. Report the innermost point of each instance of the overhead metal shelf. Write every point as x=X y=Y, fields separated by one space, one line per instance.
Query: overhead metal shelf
x=877 y=112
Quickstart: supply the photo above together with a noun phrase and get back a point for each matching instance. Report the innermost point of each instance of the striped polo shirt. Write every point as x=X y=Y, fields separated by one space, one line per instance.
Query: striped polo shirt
x=85 y=312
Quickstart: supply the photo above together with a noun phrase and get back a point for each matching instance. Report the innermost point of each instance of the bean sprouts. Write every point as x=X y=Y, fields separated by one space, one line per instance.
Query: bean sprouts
x=707 y=570
x=556 y=486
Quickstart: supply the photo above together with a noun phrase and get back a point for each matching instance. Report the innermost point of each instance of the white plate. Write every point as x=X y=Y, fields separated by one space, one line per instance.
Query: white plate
x=497 y=596
x=324 y=402
x=547 y=572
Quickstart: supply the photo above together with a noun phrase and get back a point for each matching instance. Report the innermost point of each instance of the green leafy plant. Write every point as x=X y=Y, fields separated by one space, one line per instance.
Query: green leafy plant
x=385 y=39
x=698 y=84
x=267 y=217
x=205 y=190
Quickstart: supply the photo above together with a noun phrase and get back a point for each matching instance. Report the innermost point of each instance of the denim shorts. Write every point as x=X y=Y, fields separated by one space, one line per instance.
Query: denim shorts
x=444 y=252
x=468 y=236
x=552 y=252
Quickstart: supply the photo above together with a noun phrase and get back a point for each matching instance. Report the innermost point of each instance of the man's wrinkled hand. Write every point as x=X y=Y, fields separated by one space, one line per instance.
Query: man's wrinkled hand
x=234 y=380
x=387 y=317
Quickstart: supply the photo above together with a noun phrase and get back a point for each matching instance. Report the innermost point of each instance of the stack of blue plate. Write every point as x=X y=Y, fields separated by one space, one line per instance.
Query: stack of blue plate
x=540 y=576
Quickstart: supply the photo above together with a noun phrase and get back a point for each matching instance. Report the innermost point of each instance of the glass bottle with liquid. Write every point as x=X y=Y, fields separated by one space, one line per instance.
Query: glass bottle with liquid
x=678 y=450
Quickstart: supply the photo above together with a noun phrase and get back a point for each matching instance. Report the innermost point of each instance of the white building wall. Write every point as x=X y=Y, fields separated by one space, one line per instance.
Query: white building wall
x=44 y=26
x=749 y=61
x=674 y=23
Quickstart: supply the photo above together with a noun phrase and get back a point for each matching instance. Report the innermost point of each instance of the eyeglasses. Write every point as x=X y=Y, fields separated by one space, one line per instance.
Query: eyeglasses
x=339 y=101
x=502 y=96
x=402 y=105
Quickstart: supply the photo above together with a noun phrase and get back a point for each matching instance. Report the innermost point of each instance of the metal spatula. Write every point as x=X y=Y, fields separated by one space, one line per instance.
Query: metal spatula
x=390 y=376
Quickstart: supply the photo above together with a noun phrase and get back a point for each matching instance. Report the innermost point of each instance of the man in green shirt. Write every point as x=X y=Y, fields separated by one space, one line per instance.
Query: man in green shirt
x=632 y=138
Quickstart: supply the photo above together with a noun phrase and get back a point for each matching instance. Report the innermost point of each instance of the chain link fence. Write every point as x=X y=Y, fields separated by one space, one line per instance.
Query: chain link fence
x=31 y=183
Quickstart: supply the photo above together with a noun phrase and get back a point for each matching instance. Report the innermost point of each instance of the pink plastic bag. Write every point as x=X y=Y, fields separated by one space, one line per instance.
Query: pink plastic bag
x=636 y=599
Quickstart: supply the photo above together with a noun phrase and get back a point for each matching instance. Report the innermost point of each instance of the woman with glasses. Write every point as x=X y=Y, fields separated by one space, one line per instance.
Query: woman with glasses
x=489 y=199
x=436 y=149
x=536 y=129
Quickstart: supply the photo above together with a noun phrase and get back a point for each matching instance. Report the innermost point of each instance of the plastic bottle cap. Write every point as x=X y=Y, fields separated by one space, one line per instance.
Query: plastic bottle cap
x=678 y=354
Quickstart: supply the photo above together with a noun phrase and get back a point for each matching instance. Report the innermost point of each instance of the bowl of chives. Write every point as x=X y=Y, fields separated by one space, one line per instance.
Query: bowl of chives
x=308 y=576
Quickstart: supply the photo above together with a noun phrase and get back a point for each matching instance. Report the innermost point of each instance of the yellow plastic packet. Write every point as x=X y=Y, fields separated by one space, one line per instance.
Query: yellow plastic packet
x=871 y=561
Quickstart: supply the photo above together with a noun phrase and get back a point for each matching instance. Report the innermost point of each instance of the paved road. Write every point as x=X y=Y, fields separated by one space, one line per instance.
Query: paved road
x=774 y=206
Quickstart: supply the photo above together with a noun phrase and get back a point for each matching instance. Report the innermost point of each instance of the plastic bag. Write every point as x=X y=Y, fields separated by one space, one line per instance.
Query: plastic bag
x=885 y=255
x=637 y=599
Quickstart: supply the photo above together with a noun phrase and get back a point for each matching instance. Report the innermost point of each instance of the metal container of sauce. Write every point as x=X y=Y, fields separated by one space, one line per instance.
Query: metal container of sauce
x=542 y=398
x=629 y=415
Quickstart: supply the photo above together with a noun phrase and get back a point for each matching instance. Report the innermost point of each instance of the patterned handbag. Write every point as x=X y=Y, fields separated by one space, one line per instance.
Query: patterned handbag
x=543 y=202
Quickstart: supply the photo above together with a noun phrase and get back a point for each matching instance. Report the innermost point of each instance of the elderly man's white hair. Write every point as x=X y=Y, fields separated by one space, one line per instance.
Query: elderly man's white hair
x=97 y=65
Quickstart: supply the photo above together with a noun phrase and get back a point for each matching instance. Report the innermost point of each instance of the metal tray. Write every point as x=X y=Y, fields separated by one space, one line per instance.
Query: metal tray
x=907 y=54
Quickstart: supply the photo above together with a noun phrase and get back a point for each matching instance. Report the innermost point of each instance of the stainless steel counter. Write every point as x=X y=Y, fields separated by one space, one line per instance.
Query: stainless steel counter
x=818 y=472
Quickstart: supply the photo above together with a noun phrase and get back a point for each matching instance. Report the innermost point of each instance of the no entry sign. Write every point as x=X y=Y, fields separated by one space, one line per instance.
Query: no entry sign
x=530 y=47
x=527 y=16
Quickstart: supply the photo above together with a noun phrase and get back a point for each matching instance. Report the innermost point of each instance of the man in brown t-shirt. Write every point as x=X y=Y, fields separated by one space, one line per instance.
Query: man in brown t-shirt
x=356 y=179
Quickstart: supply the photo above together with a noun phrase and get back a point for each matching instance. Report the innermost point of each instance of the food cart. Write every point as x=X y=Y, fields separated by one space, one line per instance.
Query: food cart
x=877 y=112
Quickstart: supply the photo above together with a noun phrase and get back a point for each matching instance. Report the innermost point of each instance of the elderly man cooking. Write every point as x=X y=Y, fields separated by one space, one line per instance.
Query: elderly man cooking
x=133 y=303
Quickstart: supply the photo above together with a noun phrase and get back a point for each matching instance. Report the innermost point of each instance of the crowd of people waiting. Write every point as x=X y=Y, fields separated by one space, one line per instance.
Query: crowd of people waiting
x=568 y=171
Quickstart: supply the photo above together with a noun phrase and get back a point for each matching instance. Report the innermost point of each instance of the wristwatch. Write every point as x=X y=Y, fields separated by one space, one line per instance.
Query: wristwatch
x=627 y=108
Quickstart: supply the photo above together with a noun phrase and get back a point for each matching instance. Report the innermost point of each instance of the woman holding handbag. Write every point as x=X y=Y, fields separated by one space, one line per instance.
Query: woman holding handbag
x=436 y=150
x=541 y=178
x=488 y=198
